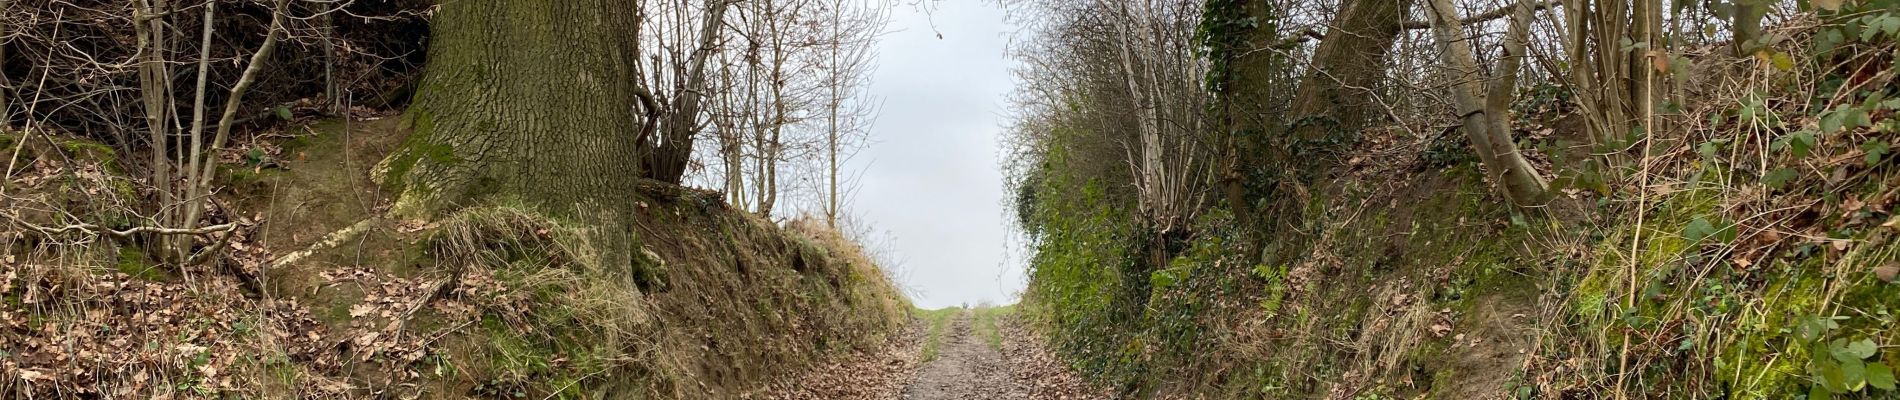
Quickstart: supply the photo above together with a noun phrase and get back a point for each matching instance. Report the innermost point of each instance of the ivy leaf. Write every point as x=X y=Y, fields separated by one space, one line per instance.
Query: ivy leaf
x=1861 y=349
x=1819 y=392
x=1853 y=375
x=1812 y=327
x=1875 y=149
x=1799 y=143
x=1698 y=229
x=1778 y=178
x=1781 y=61
x=1163 y=279
x=283 y=113
x=1830 y=5
x=1880 y=376
x=1829 y=374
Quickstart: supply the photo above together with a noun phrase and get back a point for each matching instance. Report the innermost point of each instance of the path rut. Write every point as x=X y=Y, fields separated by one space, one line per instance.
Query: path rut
x=967 y=366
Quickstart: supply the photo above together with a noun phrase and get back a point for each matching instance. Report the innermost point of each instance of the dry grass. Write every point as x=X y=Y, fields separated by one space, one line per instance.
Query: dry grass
x=491 y=301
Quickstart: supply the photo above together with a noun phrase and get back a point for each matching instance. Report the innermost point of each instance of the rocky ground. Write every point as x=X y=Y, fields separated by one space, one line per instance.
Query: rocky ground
x=966 y=366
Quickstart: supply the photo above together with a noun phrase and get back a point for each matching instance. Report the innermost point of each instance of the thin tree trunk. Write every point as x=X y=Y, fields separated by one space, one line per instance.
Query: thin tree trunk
x=1147 y=166
x=331 y=89
x=1747 y=24
x=774 y=143
x=730 y=146
x=668 y=160
x=831 y=137
x=153 y=87
x=1645 y=27
x=6 y=117
x=204 y=160
x=1487 y=118
x=179 y=247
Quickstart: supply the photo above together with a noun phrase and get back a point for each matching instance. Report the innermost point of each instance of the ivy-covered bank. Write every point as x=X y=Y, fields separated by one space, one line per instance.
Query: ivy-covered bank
x=1745 y=249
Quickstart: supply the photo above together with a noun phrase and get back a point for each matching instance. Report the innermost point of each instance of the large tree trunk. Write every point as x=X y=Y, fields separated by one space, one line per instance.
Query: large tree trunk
x=1336 y=96
x=529 y=101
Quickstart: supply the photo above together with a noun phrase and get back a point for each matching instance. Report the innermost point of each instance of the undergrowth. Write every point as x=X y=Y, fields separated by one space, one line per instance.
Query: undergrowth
x=1756 y=260
x=494 y=300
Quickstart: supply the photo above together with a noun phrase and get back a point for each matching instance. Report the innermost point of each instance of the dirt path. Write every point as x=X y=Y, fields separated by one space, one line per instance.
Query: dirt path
x=966 y=367
x=991 y=357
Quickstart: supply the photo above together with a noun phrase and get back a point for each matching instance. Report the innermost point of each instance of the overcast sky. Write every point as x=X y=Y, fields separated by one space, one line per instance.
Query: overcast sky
x=931 y=178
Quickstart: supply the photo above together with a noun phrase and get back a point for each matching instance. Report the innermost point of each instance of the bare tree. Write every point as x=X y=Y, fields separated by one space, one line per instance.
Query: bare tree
x=1486 y=109
x=6 y=115
x=1613 y=49
x=154 y=89
x=1123 y=83
x=849 y=60
x=675 y=114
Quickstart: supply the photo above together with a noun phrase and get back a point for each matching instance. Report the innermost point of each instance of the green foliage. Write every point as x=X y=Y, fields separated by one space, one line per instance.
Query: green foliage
x=938 y=321
x=1700 y=229
x=1840 y=366
x=983 y=321
x=1222 y=34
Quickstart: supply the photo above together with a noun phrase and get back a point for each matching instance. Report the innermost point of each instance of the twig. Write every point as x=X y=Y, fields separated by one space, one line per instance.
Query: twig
x=101 y=230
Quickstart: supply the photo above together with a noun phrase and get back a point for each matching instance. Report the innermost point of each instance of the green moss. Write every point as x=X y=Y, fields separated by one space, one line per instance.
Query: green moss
x=82 y=149
x=135 y=263
x=421 y=145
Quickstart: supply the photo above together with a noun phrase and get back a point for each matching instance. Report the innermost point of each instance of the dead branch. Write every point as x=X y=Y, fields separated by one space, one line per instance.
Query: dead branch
x=129 y=232
x=1310 y=33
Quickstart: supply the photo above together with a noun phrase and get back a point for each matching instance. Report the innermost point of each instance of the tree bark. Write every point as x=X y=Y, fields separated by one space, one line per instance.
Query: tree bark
x=1487 y=116
x=1336 y=95
x=177 y=249
x=6 y=118
x=528 y=101
x=154 y=83
x=1747 y=24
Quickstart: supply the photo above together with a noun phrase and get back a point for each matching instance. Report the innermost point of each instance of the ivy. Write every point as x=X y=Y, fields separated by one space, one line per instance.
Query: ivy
x=1840 y=366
